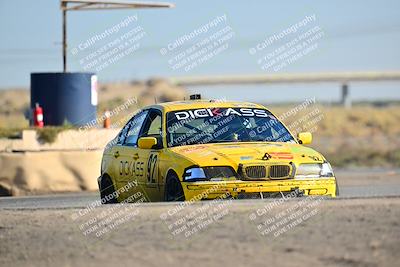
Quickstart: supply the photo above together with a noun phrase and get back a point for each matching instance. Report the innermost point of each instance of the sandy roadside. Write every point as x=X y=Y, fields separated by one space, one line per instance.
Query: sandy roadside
x=357 y=232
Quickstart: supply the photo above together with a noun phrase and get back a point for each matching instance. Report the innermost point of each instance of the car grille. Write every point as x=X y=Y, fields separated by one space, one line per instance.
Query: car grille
x=256 y=172
x=279 y=171
x=267 y=172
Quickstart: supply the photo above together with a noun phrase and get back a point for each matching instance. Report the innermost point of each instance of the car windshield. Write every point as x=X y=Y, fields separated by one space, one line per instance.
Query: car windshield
x=216 y=125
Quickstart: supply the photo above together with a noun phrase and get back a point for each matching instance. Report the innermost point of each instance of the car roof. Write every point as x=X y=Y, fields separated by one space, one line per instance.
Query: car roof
x=196 y=104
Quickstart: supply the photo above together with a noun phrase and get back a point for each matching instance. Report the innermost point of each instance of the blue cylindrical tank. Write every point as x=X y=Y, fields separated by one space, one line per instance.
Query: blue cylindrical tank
x=65 y=97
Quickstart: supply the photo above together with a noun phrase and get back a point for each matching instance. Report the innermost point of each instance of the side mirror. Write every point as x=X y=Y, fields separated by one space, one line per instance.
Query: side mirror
x=147 y=142
x=304 y=138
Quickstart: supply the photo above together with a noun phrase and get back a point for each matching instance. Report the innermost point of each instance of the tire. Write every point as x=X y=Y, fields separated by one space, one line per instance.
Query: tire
x=173 y=189
x=107 y=191
x=337 y=189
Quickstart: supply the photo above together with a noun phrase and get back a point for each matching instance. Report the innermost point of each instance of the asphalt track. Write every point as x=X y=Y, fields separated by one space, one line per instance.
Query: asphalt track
x=81 y=200
x=361 y=226
x=359 y=183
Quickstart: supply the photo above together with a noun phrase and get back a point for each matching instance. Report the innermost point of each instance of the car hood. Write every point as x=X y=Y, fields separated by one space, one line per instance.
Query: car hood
x=231 y=154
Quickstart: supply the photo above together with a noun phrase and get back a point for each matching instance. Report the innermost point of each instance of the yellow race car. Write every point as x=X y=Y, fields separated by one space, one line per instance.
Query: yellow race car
x=205 y=149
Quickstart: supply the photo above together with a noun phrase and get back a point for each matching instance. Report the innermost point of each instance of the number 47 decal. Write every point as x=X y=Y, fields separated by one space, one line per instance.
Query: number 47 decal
x=151 y=168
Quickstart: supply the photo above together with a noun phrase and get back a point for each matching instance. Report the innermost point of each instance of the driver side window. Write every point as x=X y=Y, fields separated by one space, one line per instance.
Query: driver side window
x=153 y=126
x=130 y=133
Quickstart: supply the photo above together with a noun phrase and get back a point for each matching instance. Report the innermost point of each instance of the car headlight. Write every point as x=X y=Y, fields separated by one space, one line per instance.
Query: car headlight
x=326 y=170
x=314 y=170
x=213 y=173
x=194 y=174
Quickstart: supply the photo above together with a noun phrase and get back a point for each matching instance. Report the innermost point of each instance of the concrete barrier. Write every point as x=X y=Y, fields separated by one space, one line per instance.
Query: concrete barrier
x=27 y=173
x=71 y=163
x=93 y=139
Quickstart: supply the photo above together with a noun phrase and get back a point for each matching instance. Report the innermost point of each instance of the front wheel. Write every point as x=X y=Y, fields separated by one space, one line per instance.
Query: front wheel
x=337 y=189
x=107 y=191
x=173 y=189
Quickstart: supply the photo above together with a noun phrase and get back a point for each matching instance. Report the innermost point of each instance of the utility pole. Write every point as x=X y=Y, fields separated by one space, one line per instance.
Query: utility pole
x=64 y=32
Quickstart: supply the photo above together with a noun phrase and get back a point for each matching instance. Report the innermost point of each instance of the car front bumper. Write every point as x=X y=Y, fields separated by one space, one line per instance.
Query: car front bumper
x=237 y=189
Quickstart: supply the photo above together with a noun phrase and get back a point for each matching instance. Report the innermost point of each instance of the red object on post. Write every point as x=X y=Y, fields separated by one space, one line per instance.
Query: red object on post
x=107 y=120
x=38 y=116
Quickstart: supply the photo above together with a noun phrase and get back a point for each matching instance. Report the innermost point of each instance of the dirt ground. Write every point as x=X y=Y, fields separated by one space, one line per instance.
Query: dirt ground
x=341 y=232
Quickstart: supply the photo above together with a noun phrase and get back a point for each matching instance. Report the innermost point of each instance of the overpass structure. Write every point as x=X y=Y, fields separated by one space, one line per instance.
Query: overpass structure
x=341 y=78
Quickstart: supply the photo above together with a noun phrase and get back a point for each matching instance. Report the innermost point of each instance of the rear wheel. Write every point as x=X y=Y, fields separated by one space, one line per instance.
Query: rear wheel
x=107 y=191
x=173 y=189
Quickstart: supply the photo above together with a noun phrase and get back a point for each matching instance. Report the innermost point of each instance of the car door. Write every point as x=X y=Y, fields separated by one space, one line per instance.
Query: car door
x=152 y=128
x=115 y=159
x=128 y=168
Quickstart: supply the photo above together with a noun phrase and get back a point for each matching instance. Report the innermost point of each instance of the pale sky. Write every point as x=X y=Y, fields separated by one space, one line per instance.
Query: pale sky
x=357 y=36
